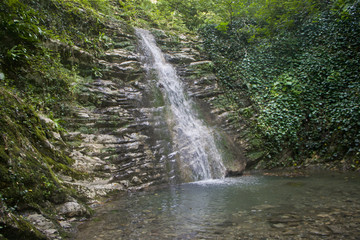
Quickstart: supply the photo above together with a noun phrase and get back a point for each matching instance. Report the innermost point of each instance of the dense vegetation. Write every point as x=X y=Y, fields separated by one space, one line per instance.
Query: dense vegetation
x=300 y=62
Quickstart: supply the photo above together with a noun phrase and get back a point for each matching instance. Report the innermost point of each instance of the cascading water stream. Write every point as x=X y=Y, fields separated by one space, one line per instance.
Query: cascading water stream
x=198 y=156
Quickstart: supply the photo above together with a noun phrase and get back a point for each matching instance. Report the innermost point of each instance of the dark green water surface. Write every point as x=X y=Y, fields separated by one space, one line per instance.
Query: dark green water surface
x=318 y=205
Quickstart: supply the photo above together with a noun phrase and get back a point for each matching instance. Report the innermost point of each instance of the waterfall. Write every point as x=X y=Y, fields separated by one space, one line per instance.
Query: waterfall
x=197 y=155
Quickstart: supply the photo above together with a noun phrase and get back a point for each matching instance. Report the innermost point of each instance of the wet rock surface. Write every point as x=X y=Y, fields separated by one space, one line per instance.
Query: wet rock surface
x=201 y=84
x=110 y=131
x=71 y=209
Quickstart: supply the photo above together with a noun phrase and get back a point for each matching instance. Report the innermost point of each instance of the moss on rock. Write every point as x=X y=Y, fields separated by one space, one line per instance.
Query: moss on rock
x=29 y=166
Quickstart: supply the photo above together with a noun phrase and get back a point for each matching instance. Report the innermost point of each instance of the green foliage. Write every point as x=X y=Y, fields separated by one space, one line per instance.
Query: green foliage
x=300 y=62
x=184 y=12
x=36 y=76
x=41 y=76
x=27 y=160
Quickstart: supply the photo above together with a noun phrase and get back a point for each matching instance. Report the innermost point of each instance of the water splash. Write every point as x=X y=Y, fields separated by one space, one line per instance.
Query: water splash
x=198 y=156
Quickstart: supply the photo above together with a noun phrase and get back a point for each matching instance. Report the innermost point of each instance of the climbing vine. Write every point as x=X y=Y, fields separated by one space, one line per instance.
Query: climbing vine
x=302 y=78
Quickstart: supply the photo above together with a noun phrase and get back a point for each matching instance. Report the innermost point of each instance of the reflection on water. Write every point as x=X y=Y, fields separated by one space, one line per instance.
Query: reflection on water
x=322 y=206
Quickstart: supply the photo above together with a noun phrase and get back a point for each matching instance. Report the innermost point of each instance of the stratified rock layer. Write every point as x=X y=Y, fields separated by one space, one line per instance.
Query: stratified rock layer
x=111 y=128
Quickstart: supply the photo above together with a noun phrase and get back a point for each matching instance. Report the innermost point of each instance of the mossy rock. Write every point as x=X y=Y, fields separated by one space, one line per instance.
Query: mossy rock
x=16 y=227
x=29 y=165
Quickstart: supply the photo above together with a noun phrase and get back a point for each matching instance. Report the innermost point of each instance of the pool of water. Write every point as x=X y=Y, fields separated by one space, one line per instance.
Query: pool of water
x=318 y=205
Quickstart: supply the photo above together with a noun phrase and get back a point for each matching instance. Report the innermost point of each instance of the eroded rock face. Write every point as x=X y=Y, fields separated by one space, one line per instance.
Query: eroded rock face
x=112 y=129
x=201 y=84
x=116 y=130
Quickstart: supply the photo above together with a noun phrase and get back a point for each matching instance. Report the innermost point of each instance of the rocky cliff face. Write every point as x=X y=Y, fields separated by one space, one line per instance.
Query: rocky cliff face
x=197 y=72
x=110 y=131
x=116 y=133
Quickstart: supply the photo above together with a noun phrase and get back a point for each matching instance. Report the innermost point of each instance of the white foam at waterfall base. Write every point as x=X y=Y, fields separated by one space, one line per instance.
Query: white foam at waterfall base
x=240 y=181
x=194 y=142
